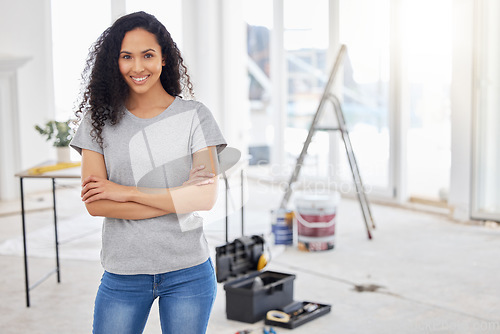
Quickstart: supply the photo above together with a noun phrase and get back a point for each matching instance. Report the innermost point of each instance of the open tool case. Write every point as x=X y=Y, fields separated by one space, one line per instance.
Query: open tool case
x=250 y=293
x=296 y=314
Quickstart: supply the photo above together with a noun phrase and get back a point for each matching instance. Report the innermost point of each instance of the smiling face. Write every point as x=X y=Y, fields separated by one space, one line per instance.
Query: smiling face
x=141 y=61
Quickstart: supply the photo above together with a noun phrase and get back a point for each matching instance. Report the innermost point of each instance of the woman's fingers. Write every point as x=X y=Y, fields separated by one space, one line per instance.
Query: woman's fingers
x=91 y=186
x=198 y=181
x=203 y=174
x=89 y=194
x=96 y=188
x=91 y=198
x=198 y=170
x=195 y=170
x=91 y=178
x=205 y=182
x=90 y=182
x=199 y=176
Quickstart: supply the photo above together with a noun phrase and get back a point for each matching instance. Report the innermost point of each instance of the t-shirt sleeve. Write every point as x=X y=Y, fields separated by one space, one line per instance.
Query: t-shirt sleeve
x=83 y=138
x=205 y=131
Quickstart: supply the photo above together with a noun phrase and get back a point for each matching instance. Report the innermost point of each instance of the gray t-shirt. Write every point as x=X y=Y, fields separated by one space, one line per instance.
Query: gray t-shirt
x=153 y=153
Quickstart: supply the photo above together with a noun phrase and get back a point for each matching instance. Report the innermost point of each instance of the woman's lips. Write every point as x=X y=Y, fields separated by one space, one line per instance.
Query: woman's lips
x=140 y=80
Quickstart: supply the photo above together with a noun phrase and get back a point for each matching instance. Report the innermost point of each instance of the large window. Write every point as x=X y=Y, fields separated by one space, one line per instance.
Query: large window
x=364 y=94
x=305 y=38
x=76 y=25
x=365 y=91
x=425 y=86
x=259 y=19
x=395 y=91
x=306 y=45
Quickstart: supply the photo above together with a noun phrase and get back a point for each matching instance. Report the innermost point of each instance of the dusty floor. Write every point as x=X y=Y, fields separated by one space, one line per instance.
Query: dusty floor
x=433 y=275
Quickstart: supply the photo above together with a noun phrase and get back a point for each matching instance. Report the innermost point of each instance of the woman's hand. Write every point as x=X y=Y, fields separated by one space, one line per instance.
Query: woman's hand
x=199 y=177
x=96 y=188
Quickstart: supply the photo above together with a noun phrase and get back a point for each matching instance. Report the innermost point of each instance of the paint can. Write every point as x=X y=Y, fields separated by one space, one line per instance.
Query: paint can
x=282 y=226
x=315 y=215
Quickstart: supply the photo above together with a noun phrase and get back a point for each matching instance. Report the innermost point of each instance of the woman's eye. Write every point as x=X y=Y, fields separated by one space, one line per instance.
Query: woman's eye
x=148 y=55
x=126 y=57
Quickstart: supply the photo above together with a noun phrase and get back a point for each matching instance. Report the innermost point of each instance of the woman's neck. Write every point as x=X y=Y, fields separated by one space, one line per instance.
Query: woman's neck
x=149 y=104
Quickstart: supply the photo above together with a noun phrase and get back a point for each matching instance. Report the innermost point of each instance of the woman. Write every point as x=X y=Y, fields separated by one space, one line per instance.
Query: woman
x=149 y=160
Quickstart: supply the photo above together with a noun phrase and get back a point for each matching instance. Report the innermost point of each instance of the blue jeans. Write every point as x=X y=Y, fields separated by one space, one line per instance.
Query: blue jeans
x=123 y=302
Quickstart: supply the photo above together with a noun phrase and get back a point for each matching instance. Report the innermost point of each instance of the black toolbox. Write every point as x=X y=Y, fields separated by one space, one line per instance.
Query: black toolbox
x=250 y=293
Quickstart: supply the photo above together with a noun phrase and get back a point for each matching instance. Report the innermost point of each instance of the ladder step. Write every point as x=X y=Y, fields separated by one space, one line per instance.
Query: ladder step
x=326 y=129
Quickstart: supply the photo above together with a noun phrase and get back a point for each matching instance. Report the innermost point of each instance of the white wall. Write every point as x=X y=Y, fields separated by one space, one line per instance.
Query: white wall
x=234 y=90
x=201 y=51
x=461 y=108
x=214 y=48
x=26 y=32
x=486 y=119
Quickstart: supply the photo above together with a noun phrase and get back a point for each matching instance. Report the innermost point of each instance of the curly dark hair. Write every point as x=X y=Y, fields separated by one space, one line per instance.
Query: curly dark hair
x=105 y=91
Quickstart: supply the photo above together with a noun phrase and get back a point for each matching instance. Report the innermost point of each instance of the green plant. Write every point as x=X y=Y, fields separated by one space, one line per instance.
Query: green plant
x=60 y=132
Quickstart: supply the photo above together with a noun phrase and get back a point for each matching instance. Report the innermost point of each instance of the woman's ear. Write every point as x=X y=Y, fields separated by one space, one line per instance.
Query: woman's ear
x=163 y=62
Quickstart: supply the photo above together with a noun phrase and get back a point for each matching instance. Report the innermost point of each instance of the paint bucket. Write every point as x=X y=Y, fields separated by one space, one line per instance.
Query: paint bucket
x=282 y=226
x=315 y=216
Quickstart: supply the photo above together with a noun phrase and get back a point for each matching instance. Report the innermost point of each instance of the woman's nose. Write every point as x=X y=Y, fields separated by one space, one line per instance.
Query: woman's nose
x=138 y=65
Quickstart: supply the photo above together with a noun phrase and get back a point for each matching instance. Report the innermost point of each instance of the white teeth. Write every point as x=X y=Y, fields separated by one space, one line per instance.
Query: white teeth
x=140 y=79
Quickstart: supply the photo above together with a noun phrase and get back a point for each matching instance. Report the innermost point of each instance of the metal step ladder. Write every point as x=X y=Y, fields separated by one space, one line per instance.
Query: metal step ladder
x=329 y=97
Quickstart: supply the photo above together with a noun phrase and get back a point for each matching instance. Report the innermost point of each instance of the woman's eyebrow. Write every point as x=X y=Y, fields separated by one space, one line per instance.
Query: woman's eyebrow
x=145 y=51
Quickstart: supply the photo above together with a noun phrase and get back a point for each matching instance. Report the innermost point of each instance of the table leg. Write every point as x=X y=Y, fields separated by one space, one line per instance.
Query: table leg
x=55 y=229
x=242 y=205
x=226 y=206
x=27 y=287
